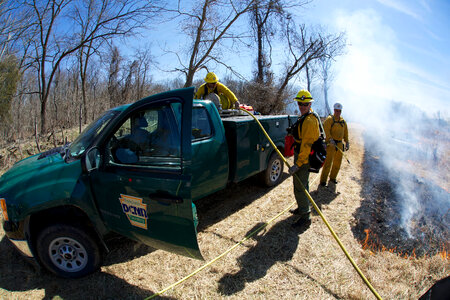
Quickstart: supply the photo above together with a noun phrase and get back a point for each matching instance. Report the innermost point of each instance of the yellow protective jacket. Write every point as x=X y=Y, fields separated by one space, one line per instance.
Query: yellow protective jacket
x=337 y=131
x=308 y=134
x=220 y=89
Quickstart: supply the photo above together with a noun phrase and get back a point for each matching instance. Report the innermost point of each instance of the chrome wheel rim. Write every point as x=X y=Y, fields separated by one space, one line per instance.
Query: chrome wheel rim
x=68 y=254
x=275 y=171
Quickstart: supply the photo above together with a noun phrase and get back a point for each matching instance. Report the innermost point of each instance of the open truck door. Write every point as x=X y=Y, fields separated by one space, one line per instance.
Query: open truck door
x=142 y=185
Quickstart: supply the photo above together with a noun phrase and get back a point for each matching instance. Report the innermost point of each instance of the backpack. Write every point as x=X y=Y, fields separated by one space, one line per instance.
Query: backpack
x=342 y=123
x=319 y=147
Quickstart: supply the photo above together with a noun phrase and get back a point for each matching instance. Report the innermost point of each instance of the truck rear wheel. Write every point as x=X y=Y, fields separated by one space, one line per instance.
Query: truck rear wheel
x=68 y=251
x=272 y=175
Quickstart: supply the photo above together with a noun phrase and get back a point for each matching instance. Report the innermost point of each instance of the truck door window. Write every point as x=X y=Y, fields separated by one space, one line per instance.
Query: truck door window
x=201 y=124
x=147 y=137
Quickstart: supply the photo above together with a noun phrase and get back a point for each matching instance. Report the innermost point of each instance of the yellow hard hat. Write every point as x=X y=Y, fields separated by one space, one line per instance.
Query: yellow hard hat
x=211 y=78
x=304 y=97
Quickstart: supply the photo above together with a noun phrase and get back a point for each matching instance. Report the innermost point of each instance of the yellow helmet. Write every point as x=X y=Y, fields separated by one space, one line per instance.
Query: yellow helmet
x=304 y=97
x=211 y=78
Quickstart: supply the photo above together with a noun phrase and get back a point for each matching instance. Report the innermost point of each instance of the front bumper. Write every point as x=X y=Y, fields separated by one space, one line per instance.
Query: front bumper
x=15 y=233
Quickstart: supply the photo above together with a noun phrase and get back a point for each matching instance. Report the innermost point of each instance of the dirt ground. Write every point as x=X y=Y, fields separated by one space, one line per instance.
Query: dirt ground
x=278 y=262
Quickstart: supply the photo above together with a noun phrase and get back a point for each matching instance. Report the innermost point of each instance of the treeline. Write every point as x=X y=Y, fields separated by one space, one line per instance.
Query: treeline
x=61 y=66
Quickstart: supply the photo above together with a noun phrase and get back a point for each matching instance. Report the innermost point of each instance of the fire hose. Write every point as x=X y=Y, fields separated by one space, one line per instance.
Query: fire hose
x=270 y=221
x=343 y=154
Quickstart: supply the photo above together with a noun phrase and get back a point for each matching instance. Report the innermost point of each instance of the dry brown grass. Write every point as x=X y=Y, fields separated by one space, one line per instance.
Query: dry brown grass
x=20 y=149
x=277 y=263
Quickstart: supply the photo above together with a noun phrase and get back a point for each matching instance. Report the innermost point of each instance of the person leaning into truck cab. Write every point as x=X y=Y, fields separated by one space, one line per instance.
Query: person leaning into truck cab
x=212 y=85
x=307 y=132
x=335 y=130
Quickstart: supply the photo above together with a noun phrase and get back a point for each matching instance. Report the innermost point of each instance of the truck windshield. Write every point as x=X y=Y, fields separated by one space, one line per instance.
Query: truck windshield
x=85 y=139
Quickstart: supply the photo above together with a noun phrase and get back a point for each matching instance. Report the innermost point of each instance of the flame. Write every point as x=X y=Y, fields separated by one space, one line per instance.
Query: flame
x=373 y=244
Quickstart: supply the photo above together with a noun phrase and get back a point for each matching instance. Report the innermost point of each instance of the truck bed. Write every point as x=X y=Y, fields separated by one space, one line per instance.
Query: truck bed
x=248 y=148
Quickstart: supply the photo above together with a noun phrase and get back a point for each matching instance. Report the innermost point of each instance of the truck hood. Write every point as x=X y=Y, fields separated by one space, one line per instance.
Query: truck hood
x=38 y=179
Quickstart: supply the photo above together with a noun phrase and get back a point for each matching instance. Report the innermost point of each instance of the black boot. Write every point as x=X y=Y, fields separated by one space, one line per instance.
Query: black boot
x=294 y=211
x=302 y=223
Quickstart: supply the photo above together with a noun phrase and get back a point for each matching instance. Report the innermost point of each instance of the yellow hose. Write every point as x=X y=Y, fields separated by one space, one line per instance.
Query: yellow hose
x=343 y=154
x=318 y=211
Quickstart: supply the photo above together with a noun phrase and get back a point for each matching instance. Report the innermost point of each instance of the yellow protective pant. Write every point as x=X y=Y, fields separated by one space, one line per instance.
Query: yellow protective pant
x=333 y=162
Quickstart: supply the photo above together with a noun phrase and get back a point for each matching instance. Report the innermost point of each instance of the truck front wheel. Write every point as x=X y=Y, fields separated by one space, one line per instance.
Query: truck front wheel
x=272 y=175
x=68 y=251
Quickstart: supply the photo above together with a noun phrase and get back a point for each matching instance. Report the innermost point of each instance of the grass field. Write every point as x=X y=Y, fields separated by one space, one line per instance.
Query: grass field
x=278 y=262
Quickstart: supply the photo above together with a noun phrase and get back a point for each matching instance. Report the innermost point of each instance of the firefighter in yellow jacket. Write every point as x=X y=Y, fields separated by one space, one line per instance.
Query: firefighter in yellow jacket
x=306 y=133
x=212 y=85
x=336 y=131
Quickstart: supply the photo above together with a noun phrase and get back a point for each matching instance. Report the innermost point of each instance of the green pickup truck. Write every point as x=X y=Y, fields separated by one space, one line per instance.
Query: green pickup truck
x=135 y=171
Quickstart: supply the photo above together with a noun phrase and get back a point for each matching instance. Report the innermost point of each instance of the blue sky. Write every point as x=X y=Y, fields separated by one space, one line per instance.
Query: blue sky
x=397 y=50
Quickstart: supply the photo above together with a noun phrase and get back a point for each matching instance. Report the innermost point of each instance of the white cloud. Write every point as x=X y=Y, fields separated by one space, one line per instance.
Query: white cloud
x=374 y=72
x=403 y=7
x=425 y=6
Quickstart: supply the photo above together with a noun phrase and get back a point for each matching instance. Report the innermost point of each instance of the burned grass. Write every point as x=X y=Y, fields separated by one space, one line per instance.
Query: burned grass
x=278 y=262
x=401 y=211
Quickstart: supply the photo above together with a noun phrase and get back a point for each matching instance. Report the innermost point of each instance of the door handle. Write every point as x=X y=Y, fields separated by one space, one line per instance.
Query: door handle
x=166 y=199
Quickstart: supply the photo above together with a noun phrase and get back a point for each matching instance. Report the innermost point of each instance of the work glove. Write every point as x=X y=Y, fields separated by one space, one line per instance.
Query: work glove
x=332 y=142
x=293 y=169
x=347 y=146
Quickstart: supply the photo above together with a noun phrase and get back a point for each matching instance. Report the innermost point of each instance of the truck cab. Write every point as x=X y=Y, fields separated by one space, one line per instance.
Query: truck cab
x=57 y=206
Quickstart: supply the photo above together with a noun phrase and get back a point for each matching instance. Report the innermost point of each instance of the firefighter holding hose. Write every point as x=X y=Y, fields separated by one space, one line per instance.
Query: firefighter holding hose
x=306 y=132
x=336 y=132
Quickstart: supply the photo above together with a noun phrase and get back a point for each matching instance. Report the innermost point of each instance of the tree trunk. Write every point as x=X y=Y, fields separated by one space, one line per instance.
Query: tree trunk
x=308 y=78
x=43 y=118
x=259 y=37
x=325 y=96
x=189 y=78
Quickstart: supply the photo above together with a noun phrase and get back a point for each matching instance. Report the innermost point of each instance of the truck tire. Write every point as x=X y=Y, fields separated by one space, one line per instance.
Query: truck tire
x=272 y=175
x=68 y=251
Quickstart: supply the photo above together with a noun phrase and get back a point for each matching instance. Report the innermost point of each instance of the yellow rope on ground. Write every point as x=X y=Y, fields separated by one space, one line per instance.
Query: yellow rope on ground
x=224 y=253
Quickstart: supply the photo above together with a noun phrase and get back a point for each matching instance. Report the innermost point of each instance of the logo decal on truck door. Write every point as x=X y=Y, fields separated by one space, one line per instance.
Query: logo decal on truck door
x=135 y=210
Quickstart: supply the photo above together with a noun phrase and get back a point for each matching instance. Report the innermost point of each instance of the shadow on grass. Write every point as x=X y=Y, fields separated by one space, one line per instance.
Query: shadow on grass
x=17 y=275
x=277 y=244
x=220 y=205
x=323 y=196
x=123 y=249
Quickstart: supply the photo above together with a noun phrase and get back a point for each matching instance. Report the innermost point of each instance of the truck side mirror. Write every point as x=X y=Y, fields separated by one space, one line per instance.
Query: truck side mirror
x=91 y=159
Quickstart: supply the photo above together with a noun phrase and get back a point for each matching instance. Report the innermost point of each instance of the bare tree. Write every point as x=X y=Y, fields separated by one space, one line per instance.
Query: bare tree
x=6 y=28
x=9 y=78
x=304 y=48
x=265 y=18
x=325 y=63
x=57 y=29
x=143 y=61
x=115 y=61
x=84 y=55
x=208 y=24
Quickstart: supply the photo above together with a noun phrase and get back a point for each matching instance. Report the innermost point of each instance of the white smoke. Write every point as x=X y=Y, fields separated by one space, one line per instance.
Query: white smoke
x=399 y=105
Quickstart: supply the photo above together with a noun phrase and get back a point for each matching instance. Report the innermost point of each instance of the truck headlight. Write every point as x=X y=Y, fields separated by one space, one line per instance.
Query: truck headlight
x=4 y=210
